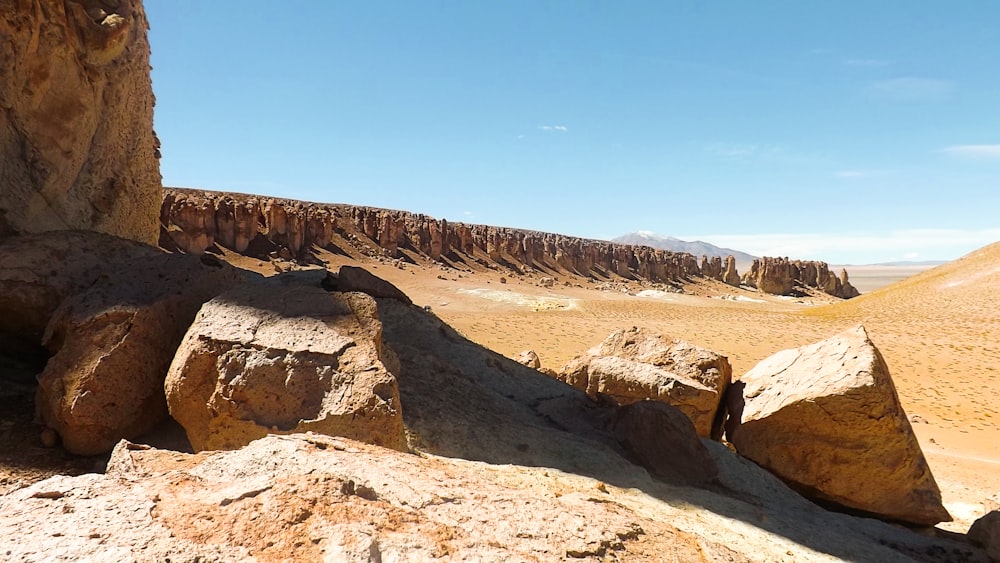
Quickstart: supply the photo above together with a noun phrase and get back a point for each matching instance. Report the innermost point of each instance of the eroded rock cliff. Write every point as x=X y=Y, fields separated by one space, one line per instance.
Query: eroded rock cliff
x=194 y=220
x=76 y=119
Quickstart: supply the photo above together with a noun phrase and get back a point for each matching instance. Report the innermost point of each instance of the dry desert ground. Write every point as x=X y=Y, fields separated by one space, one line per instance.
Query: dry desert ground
x=939 y=330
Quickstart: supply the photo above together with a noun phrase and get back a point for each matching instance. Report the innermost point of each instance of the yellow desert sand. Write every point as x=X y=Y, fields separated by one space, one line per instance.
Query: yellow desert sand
x=939 y=331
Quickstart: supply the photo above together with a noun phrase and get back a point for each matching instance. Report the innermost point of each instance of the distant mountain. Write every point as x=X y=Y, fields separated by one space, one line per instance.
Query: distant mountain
x=697 y=248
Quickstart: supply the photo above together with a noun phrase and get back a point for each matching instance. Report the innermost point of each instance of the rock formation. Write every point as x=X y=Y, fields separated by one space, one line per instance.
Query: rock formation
x=529 y=358
x=636 y=365
x=283 y=357
x=827 y=420
x=729 y=275
x=76 y=126
x=193 y=221
x=779 y=276
x=353 y=278
x=985 y=532
x=112 y=343
x=662 y=439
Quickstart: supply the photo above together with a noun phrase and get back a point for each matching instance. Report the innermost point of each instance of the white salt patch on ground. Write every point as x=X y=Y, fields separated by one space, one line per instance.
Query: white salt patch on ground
x=738 y=298
x=655 y=294
x=536 y=302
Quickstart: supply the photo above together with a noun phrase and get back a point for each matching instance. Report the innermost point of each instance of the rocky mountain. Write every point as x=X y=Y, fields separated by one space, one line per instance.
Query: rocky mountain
x=698 y=248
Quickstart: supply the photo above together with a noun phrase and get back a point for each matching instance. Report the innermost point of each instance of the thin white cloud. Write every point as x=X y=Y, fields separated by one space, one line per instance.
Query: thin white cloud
x=562 y=128
x=860 y=247
x=913 y=89
x=867 y=63
x=857 y=174
x=737 y=150
x=973 y=151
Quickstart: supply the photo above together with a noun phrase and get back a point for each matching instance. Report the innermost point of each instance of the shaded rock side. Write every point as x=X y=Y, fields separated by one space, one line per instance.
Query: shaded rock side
x=76 y=126
x=113 y=342
x=826 y=419
x=39 y=271
x=780 y=276
x=635 y=365
x=353 y=278
x=194 y=220
x=282 y=357
x=662 y=439
x=985 y=532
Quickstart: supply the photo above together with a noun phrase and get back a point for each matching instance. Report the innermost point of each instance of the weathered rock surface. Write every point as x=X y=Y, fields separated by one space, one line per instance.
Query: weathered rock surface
x=194 y=220
x=76 y=130
x=779 y=276
x=529 y=358
x=284 y=357
x=662 y=439
x=827 y=420
x=38 y=272
x=353 y=278
x=112 y=343
x=985 y=532
x=635 y=365
x=730 y=275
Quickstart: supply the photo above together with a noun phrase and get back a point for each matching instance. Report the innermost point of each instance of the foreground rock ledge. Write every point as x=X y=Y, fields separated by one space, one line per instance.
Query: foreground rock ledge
x=827 y=420
x=281 y=356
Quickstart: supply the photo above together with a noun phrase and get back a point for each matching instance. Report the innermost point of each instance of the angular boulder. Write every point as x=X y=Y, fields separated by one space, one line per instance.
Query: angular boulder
x=76 y=130
x=662 y=439
x=529 y=358
x=635 y=365
x=283 y=357
x=826 y=419
x=113 y=342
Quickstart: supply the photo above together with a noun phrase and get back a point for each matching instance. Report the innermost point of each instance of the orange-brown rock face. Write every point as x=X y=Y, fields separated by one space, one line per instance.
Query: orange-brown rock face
x=76 y=119
x=779 y=276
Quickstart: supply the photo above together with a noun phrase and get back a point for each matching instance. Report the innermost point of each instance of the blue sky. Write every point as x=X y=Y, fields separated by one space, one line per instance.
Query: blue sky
x=852 y=132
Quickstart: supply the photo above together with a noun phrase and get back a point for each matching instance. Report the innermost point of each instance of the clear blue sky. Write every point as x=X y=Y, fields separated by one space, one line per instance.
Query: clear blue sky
x=846 y=131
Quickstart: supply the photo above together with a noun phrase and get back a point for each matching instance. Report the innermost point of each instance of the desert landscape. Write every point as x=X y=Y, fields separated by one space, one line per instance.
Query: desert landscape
x=199 y=375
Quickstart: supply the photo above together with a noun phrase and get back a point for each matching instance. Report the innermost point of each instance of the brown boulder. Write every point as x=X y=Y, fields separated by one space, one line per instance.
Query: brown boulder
x=730 y=275
x=826 y=419
x=76 y=134
x=662 y=439
x=529 y=358
x=282 y=357
x=112 y=344
x=635 y=365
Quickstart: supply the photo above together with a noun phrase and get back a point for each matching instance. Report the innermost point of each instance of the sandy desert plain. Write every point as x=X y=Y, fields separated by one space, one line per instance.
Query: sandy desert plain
x=938 y=328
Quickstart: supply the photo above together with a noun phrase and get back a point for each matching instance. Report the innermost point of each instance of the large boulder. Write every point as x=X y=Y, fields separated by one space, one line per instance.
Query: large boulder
x=38 y=272
x=636 y=365
x=76 y=130
x=282 y=357
x=113 y=342
x=353 y=278
x=826 y=419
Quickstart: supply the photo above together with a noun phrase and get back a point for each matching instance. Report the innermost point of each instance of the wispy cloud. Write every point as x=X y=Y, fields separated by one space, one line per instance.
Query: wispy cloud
x=856 y=174
x=861 y=247
x=979 y=152
x=913 y=89
x=867 y=63
x=745 y=150
x=562 y=128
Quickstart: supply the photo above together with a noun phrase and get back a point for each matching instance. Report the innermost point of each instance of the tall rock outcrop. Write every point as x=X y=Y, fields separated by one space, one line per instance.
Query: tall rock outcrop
x=779 y=276
x=76 y=119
